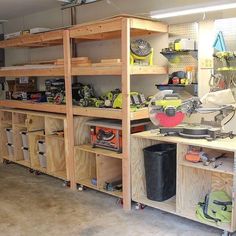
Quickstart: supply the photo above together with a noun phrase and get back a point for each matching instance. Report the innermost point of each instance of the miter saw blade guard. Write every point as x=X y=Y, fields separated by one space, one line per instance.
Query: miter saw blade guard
x=165 y=109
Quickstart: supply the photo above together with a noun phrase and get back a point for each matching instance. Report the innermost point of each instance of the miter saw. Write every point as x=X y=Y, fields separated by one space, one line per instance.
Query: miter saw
x=168 y=111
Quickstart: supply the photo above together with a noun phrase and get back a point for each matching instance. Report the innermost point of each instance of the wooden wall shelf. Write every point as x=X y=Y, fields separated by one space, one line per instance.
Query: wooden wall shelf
x=45 y=107
x=100 y=151
x=20 y=71
x=51 y=38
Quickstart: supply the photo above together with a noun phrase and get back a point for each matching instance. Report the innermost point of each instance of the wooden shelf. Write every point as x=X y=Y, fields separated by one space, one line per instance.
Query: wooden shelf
x=100 y=151
x=45 y=39
x=98 y=112
x=226 y=167
x=46 y=107
x=168 y=205
x=97 y=70
x=34 y=70
x=87 y=183
x=117 y=70
x=111 y=28
x=141 y=113
x=148 y=70
x=53 y=136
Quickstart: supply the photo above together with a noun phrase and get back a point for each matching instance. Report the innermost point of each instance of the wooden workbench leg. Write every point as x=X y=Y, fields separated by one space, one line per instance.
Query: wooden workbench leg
x=69 y=126
x=125 y=86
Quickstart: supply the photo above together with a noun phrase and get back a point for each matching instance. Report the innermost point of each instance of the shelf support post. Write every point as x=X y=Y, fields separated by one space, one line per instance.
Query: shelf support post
x=69 y=123
x=125 y=86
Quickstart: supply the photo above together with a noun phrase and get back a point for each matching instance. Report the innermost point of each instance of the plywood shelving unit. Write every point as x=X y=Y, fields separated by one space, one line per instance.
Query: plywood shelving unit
x=61 y=159
x=194 y=180
x=81 y=161
x=123 y=28
x=38 y=126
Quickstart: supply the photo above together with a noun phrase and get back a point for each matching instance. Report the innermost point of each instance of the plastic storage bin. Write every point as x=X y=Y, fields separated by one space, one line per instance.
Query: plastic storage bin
x=42 y=159
x=9 y=133
x=160 y=171
x=25 y=153
x=25 y=139
x=41 y=146
x=10 y=149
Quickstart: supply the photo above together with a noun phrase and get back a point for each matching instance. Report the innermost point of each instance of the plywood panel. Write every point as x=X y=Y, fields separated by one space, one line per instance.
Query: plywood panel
x=52 y=125
x=81 y=130
x=85 y=165
x=35 y=123
x=19 y=118
x=3 y=140
x=55 y=153
x=33 y=147
x=18 y=153
x=108 y=169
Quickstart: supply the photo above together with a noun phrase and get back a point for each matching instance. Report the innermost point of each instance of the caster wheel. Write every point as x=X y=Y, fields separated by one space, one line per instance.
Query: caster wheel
x=6 y=162
x=37 y=172
x=139 y=206
x=120 y=202
x=81 y=188
x=225 y=233
x=66 y=184
x=31 y=171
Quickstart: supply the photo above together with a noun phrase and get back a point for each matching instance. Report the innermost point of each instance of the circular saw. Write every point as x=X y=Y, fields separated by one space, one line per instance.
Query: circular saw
x=166 y=109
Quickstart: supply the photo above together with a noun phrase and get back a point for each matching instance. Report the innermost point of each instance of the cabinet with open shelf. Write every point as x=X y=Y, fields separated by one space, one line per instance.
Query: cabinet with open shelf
x=194 y=180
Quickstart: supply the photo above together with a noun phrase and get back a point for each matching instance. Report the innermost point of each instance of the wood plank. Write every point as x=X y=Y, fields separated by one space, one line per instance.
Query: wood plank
x=141 y=113
x=218 y=144
x=125 y=87
x=32 y=71
x=96 y=70
x=49 y=38
x=27 y=105
x=99 y=151
x=95 y=28
x=148 y=25
x=148 y=70
x=97 y=112
x=68 y=124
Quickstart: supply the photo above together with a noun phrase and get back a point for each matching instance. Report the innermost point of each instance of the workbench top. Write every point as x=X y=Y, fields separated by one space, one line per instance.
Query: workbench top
x=226 y=144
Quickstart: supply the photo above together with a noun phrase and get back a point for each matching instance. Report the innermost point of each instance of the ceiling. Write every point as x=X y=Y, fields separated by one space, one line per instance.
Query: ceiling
x=16 y=8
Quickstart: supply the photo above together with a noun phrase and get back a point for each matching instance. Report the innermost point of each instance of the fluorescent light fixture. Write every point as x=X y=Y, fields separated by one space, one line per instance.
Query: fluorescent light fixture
x=196 y=10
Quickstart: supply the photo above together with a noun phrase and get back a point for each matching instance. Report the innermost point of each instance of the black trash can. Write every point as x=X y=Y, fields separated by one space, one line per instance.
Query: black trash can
x=160 y=171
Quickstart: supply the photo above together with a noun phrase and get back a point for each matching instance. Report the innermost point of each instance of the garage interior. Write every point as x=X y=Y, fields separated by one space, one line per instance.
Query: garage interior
x=117 y=117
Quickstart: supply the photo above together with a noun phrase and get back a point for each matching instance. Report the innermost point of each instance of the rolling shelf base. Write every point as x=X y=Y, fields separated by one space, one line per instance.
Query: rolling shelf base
x=194 y=181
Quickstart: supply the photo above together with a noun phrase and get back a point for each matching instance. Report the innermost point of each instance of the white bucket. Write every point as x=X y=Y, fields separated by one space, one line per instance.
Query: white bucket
x=9 y=133
x=10 y=149
x=42 y=146
x=25 y=139
x=42 y=159
x=26 y=153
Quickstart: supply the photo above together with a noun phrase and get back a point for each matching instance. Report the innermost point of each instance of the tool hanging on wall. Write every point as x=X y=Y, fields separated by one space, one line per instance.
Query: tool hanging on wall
x=141 y=53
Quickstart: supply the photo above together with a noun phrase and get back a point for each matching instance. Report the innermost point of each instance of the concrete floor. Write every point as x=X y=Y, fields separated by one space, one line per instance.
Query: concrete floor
x=39 y=205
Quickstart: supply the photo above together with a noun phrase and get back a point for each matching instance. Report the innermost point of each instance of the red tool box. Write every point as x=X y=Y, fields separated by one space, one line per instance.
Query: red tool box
x=107 y=133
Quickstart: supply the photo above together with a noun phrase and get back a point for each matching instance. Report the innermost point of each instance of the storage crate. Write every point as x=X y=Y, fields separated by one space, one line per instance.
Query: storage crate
x=42 y=146
x=25 y=139
x=26 y=153
x=9 y=133
x=42 y=159
x=10 y=149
